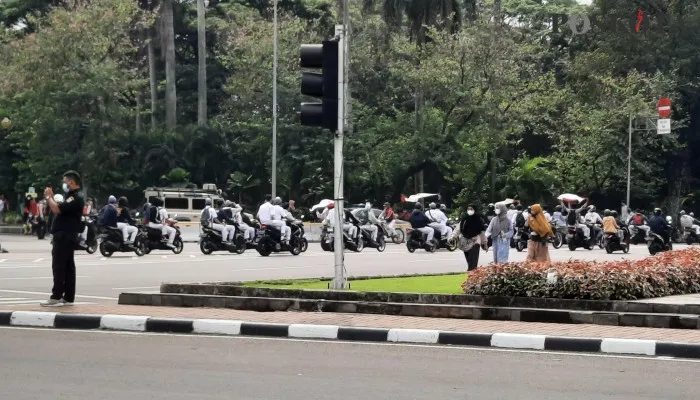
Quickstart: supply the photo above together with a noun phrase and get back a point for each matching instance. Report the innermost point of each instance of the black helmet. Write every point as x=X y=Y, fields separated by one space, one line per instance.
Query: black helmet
x=418 y=206
x=123 y=202
x=558 y=208
x=613 y=213
x=606 y=213
x=657 y=211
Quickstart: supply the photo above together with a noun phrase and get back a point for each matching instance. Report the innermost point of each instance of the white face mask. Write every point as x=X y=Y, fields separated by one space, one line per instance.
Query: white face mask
x=498 y=211
x=65 y=187
x=470 y=212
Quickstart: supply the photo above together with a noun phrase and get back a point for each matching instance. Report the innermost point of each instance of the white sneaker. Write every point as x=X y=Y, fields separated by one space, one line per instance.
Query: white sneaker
x=52 y=303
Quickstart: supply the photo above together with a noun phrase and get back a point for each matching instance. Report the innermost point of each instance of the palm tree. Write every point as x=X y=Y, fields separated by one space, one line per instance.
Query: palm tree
x=168 y=35
x=202 y=72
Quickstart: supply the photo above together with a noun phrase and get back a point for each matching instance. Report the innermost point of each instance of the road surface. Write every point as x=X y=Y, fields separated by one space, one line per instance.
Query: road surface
x=25 y=272
x=80 y=365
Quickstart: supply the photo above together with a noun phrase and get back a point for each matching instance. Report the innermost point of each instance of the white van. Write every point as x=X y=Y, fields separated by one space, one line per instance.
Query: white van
x=186 y=203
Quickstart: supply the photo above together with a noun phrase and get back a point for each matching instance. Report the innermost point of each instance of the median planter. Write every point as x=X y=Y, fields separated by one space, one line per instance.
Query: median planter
x=667 y=274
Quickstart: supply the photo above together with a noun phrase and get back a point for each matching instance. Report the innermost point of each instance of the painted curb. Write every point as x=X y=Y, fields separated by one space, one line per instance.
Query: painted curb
x=133 y=323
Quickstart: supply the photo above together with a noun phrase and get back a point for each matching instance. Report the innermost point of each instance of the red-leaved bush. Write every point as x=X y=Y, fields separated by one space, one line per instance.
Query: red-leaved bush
x=666 y=274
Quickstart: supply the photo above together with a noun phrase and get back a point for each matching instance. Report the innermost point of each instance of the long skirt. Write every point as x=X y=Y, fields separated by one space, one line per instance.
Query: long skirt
x=472 y=256
x=537 y=251
x=501 y=249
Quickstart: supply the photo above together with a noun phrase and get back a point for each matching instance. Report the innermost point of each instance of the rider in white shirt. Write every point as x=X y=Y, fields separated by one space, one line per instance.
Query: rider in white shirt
x=439 y=221
x=237 y=216
x=371 y=225
x=687 y=221
x=159 y=216
x=594 y=218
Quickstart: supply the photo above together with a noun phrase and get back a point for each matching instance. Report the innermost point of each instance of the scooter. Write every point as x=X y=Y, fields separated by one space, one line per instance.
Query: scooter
x=636 y=235
x=657 y=244
x=576 y=239
x=211 y=240
x=398 y=237
x=520 y=238
x=91 y=244
x=380 y=244
x=112 y=241
x=328 y=243
x=416 y=240
x=613 y=243
x=445 y=242
x=690 y=237
x=152 y=239
x=297 y=228
x=271 y=242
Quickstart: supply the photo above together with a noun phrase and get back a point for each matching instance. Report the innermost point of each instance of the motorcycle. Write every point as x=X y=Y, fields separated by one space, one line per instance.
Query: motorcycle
x=152 y=239
x=520 y=238
x=689 y=236
x=297 y=228
x=636 y=235
x=678 y=234
x=211 y=240
x=398 y=236
x=270 y=240
x=657 y=244
x=111 y=241
x=366 y=238
x=328 y=243
x=91 y=243
x=416 y=240
x=613 y=243
x=445 y=242
x=576 y=239
x=559 y=238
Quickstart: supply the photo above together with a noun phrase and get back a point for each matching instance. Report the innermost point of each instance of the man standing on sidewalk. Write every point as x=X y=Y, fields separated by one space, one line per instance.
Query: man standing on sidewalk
x=65 y=230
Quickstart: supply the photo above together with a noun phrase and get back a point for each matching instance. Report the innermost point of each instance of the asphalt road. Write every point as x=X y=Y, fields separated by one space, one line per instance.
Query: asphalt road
x=39 y=364
x=25 y=272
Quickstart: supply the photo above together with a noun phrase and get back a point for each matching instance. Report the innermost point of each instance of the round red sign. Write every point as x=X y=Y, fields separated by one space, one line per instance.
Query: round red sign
x=664 y=107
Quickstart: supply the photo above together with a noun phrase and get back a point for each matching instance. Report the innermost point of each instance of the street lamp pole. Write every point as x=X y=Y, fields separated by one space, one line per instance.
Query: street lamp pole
x=274 y=105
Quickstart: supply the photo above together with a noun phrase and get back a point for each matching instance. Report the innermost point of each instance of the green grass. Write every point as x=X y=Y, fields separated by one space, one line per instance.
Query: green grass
x=448 y=284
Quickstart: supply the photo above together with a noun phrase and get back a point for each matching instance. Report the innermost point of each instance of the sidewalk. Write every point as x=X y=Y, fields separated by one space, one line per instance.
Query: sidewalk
x=385 y=321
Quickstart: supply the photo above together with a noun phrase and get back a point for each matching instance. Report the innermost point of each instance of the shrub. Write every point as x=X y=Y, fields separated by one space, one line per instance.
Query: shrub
x=666 y=274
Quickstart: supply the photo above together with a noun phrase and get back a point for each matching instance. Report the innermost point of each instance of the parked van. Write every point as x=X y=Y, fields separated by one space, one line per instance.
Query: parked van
x=186 y=203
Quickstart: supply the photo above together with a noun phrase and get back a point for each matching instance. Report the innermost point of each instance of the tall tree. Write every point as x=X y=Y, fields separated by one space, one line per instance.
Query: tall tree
x=202 y=68
x=170 y=75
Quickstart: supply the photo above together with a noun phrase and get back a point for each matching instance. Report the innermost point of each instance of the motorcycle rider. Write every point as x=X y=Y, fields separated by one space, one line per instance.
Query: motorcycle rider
x=371 y=223
x=511 y=212
x=157 y=219
x=659 y=225
x=610 y=224
x=439 y=220
x=225 y=215
x=237 y=217
x=574 y=218
x=279 y=217
x=545 y=212
x=209 y=218
x=593 y=218
x=109 y=214
x=558 y=218
x=490 y=212
x=519 y=218
x=124 y=221
x=687 y=221
x=87 y=212
x=420 y=222
x=348 y=227
x=639 y=221
x=389 y=217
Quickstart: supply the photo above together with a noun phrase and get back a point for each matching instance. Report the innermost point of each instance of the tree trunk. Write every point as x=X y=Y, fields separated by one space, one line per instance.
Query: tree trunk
x=154 y=81
x=139 y=105
x=170 y=88
x=202 y=55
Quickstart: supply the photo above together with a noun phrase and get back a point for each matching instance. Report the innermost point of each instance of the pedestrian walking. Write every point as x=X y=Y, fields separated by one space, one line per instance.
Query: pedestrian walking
x=500 y=231
x=541 y=231
x=66 y=229
x=470 y=236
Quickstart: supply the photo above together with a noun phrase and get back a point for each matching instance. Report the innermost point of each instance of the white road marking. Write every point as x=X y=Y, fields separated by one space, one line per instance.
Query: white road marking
x=35 y=277
x=39 y=260
x=3 y=260
x=136 y=288
x=353 y=343
x=49 y=294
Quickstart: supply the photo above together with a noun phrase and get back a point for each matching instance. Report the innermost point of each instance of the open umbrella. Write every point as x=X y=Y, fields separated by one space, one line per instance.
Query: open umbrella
x=506 y=202
x=322 y=204
x=414 y=198
x=572 y=198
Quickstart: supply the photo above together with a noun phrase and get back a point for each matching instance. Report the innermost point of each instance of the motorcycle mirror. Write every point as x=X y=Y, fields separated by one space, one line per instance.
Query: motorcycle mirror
x=137 y=214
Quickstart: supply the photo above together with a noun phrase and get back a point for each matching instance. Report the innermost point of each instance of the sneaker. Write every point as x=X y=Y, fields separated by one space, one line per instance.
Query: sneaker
x=170 y=246
x=52 y=303
x=66 y=302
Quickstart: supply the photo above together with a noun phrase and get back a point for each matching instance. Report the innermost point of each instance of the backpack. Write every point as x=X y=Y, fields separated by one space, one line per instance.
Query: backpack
x=520 y=220
x=571 y=218
x=204 y=218
x=154 y=215
x=101 y=216
x=638 y=219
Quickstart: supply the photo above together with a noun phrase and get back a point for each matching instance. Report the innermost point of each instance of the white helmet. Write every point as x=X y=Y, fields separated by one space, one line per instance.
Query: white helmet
x=669 y=219
x=433 y=206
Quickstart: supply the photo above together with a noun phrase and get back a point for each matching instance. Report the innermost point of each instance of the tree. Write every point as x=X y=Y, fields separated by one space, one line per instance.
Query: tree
x=202 y=69
x=168 y=34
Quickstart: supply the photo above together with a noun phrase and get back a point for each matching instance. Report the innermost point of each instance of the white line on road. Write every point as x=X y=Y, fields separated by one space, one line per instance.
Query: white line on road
x=13 y=298
x=3 y=260
x=35 y=277
x=353 y=343
x=39 y=260
x=136 y=288
x=49 y=294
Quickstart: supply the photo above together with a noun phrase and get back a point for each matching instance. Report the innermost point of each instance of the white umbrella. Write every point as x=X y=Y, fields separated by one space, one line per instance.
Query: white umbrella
x=415 y=198
x=322 y=204
x=506 y=202
x=570 y=198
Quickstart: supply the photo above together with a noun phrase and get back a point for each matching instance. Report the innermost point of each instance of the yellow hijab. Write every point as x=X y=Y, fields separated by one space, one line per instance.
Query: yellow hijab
x=538 y=223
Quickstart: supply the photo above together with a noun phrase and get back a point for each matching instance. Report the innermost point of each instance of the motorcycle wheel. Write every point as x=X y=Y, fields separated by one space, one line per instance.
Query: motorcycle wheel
x=572 y=246
x=558 y=240
x=381 y=244
x=519 y=245
x=608 y=249
x=294 y=246
x=410 y=247
x=325 y=246
x=625 y=248
x=240 y=245
x=452 y=244
x=263 y=249
x=431 y=247
x=104 y=251
x=360 y=245
x=92 y=247
x=179 y=245
x=304 y=245
x=140 y=248
x=206 y=247
x=399 y=237
x=601 y=243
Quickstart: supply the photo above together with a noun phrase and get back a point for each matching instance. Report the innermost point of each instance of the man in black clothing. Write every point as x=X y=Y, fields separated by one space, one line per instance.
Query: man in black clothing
x=660 y=226
x=65 y=230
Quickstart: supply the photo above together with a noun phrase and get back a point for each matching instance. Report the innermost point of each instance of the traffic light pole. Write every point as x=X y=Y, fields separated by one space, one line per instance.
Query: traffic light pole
x=339 y=280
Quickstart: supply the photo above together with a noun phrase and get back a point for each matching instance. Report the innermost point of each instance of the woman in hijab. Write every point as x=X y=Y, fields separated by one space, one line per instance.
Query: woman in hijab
x=500 y=230
x=470 y=236
x=537 y=250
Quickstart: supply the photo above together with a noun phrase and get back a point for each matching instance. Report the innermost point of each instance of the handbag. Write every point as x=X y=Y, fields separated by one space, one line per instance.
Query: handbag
x=465 y=244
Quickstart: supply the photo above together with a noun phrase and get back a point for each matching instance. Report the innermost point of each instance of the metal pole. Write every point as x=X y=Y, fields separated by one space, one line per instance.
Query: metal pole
x=629 y=161
x=339 y=281
x=274 y=106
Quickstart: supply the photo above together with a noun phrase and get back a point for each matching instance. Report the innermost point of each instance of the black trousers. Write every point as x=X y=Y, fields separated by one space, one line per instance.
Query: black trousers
x=472 y=257
x=63 y=266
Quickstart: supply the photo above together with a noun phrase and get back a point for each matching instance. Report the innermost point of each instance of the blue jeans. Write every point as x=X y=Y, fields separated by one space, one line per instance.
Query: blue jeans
x=501 y=248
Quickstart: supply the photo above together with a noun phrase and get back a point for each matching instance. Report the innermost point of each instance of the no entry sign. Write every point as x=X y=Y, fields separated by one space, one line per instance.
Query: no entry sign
x=664 y=107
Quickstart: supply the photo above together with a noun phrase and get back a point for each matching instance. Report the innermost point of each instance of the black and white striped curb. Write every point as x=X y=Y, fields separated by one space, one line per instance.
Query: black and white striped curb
x=131 y=323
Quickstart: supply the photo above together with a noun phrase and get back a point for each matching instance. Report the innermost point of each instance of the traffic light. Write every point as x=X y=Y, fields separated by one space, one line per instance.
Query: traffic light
x=323 y=85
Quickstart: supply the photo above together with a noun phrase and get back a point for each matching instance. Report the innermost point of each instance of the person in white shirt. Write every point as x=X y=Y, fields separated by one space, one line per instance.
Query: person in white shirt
x=511 y=212
x=87 y=211
x=158 y=218
x=547 y=216
x=688 y=221
x=372 y=222
x=237 y=216
x=594 y=218
x=209 y=219
x=279 y=218
x=265 y=211
x=439 y=221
